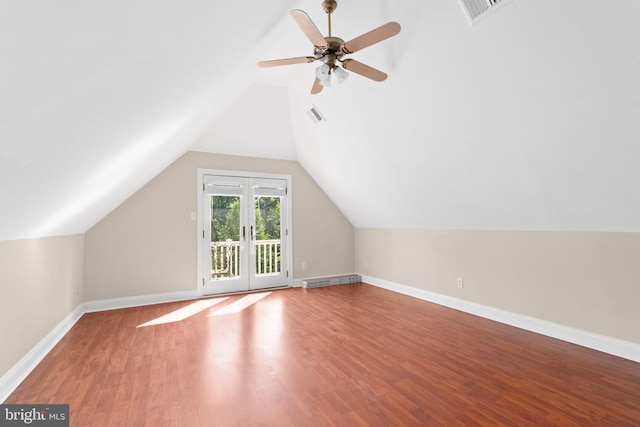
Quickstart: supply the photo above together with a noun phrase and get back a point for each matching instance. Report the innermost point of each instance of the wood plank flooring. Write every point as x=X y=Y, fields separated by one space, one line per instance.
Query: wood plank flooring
x=350 y=355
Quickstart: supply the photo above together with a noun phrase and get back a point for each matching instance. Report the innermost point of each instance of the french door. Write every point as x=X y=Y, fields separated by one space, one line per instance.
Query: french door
x=244 y=238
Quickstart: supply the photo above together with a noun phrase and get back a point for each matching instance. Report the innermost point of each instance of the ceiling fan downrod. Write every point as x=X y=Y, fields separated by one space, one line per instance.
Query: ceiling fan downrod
x=329 y=6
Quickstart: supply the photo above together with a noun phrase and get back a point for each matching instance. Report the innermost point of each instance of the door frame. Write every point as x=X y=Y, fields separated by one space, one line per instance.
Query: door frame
x=202 y=268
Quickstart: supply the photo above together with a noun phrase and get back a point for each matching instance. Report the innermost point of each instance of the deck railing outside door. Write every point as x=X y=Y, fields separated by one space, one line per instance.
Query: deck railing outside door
x=225 y=258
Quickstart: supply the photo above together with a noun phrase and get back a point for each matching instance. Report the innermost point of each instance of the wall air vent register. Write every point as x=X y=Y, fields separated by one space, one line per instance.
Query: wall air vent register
x=333 y=280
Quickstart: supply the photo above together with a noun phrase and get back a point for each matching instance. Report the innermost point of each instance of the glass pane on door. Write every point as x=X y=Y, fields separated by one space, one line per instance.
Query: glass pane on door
x=268 y=240
x=225 y=237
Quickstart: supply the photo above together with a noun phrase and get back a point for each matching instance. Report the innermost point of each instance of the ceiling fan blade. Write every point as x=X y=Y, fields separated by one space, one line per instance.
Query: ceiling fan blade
x=377 y=35
x=317 y=87
x=286 y=61
x=363 y=70
x=308 y=28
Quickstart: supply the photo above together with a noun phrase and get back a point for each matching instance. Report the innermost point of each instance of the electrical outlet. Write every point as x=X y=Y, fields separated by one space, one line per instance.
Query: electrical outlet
x=366 y=263
x=460 y=282
x=304 y=265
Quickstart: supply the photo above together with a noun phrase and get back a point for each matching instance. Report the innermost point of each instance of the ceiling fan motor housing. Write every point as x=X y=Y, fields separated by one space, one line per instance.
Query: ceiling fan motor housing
x=332 y=52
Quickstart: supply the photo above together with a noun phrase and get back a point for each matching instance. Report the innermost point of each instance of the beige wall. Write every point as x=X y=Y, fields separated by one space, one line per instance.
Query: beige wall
x=39 y=283
x=585 y=280
x=148 y=244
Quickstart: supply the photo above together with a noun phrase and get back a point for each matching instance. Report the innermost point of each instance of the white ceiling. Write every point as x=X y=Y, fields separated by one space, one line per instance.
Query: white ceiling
x=523 y=121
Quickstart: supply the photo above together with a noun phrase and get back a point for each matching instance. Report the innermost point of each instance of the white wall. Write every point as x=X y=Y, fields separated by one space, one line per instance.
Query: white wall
x=149 y=243
x=39 y=282
x=584 y=280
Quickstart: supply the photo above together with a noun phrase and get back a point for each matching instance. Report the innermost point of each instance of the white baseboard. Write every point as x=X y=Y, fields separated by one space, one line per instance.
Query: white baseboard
x=12 y=379
x=138 y=301
x=614 y=346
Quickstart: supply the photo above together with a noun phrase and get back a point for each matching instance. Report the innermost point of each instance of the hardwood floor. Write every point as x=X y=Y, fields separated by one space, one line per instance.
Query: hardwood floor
x=350 y=355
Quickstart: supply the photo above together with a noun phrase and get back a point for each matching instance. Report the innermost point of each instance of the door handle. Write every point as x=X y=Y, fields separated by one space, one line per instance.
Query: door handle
x=244 y=232
x=252 y=232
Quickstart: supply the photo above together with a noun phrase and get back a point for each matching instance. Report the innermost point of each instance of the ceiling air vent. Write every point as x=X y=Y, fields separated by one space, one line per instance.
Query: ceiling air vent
x=479 y=9
x=315 y=115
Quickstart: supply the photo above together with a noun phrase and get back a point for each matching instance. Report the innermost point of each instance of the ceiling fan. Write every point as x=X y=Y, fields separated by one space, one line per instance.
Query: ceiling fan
x=331 y=50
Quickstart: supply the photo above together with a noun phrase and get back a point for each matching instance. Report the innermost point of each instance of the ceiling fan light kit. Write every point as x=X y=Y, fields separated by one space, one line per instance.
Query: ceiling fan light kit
x=323 y=72
x=331 y=50
x=341 y=75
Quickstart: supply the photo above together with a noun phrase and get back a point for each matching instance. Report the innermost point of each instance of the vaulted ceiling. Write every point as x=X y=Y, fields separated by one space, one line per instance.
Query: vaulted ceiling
x=526 y=120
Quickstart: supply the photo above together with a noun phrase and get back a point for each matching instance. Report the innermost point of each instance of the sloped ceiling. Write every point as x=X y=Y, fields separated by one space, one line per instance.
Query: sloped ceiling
x=523 y=121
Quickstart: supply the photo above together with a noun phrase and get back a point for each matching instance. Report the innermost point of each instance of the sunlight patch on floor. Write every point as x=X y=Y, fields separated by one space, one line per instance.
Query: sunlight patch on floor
x=241 y=304
x=184 y=312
